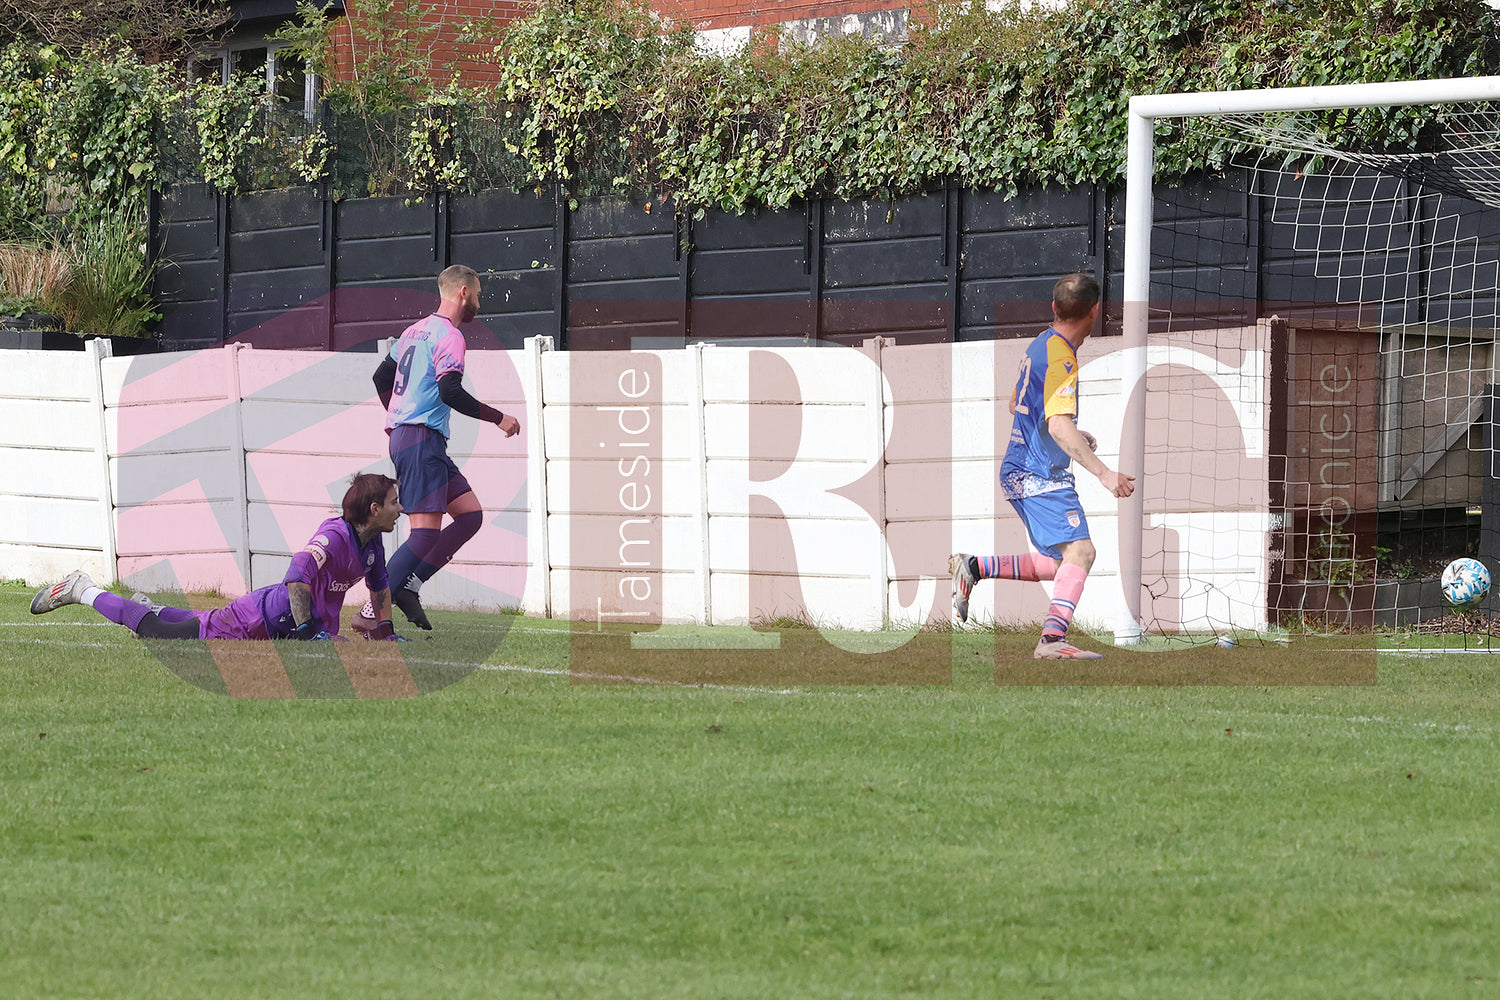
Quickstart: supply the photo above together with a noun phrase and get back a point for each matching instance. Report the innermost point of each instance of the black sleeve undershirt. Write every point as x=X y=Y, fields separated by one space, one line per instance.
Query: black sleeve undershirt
x=451 y=390
x=385 y=380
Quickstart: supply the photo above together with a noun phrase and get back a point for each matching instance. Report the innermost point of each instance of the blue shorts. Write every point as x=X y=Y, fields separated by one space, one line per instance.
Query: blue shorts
x=429 y=479
x=1052 y=520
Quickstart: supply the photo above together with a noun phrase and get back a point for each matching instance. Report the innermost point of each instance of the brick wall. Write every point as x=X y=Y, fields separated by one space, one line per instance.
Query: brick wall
x=448 y=53
x=468 y=59
x=710 y=14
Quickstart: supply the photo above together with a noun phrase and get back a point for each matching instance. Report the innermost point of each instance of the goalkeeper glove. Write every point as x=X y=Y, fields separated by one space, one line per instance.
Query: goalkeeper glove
x=311 y=631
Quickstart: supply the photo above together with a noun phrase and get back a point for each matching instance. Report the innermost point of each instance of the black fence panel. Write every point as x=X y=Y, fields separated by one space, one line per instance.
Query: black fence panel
x=276 y=264
x=1470 y=242
x=625 y=276
x=190 y=274
x=385 y=250
x=949 y=264
x=751 y=277
x=886 y=270
x=1206 y=259
x=511 y=240
x=1013 y=250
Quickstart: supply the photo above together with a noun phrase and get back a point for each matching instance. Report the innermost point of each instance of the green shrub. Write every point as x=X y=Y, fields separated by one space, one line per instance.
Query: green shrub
x=604 y=96
x=24 y=73
x=108 y=289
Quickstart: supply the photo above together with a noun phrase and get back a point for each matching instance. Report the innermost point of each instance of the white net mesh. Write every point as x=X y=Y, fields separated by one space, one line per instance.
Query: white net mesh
x=1373 y=239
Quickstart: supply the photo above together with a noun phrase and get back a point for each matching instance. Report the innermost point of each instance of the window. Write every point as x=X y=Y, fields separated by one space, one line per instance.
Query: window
x=291 y=81
x=283 y=71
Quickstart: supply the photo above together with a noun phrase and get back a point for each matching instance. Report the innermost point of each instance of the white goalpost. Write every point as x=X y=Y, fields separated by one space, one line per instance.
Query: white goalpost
x=1365 y=272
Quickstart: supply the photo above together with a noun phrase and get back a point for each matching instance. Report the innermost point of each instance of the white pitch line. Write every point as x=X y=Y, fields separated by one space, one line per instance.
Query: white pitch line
x=1359 y=720
x=1437 y=651
x=59 y=623
x=829 y=691
x=57 y=642
x=515 y=668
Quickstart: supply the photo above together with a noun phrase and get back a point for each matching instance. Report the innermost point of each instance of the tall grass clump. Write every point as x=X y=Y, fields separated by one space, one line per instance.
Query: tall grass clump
x=31 y=274
x=108 y=286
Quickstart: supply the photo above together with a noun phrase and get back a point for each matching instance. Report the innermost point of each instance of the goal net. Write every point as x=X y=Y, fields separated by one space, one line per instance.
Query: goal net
x=1315 y=330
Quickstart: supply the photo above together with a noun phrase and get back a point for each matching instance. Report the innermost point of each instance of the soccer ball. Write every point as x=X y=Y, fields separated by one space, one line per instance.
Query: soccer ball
x=1465 y=582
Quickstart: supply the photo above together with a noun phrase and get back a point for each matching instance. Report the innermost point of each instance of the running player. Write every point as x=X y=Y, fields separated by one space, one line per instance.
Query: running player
x=1035 y=475
x=420 y=382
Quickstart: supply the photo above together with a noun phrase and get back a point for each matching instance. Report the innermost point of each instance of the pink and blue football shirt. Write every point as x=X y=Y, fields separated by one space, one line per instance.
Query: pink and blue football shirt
x=427 y=350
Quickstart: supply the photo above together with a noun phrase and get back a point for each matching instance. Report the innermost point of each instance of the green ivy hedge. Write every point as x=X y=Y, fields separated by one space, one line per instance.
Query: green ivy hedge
x=603 y=96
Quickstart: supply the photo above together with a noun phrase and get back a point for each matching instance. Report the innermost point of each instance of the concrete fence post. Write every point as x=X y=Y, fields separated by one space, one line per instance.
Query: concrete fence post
x=234 y=399
x=98 y=350
x=538 y=550
x=704 y=566
x=875 y=404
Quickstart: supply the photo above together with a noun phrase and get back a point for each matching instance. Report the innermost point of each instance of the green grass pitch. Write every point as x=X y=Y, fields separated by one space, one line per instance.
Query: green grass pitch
x=519 y=834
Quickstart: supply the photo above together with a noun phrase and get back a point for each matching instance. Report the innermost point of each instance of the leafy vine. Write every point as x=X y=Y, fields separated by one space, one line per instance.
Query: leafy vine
x=605 y=96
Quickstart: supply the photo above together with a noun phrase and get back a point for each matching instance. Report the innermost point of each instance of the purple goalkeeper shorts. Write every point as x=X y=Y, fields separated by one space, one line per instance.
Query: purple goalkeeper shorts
x=261 y=614
x=429 y=479
x=232 y=622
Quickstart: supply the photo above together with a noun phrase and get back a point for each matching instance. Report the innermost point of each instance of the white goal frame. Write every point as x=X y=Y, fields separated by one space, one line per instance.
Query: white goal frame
x=1136 y=289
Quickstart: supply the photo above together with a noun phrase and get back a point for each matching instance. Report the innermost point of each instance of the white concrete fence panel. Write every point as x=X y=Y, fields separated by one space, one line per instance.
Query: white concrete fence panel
x=713 y=484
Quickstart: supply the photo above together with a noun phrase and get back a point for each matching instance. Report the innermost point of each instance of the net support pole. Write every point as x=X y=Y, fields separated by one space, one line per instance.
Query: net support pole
x=1136 y=291
x=1139 y=161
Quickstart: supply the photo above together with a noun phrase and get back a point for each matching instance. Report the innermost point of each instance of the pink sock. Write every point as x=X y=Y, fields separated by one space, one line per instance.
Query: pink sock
x=1066 y=589
x=1029 y=566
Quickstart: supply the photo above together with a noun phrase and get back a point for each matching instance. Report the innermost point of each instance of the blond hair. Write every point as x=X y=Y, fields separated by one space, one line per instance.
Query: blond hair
x=453 y=278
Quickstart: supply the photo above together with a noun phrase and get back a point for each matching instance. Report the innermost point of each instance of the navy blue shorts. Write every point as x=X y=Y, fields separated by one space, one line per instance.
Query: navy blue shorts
x=1052 y=519
x=429 y=479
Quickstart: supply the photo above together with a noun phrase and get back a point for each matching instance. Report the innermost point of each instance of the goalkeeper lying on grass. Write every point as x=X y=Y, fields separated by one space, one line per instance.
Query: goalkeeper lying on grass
x=305 y=605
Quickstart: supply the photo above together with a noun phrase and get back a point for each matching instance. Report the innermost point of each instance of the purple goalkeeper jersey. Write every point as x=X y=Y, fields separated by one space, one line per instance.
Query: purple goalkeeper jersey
x=330 y=563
